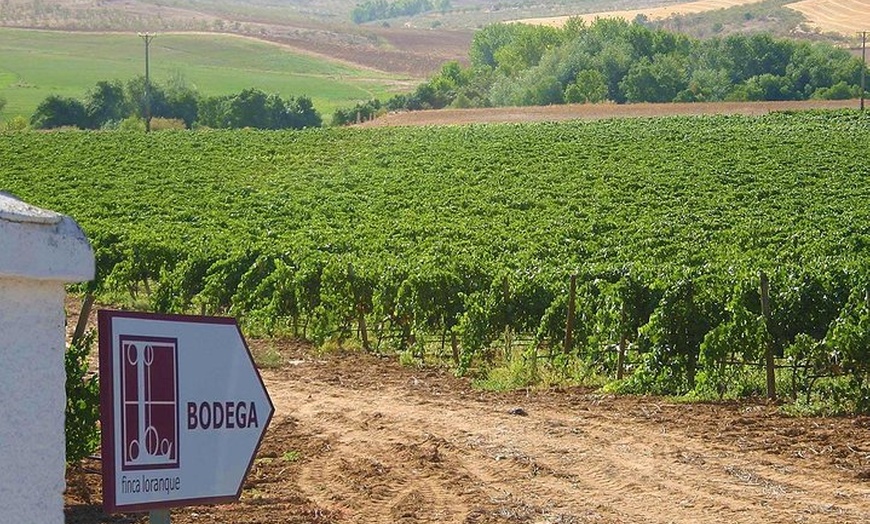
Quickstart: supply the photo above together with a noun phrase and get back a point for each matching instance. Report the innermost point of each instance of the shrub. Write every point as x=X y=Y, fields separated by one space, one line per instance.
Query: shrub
x=162 y=124
x=82 y=402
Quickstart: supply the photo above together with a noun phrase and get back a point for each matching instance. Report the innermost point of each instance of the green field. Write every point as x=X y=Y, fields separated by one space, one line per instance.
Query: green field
x=36 y=64
x=467 y=235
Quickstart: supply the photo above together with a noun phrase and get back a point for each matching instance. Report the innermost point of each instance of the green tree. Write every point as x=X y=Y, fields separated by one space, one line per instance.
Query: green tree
x=838 y=91
x=486 y=43
x=590 y=88
x=705 y=85
x=182 y=101
x=106 y=103
x=769 y=87
x=527 y=46
x=56 y=111
x=614 y=62
x=656 y=80
x=301 y=114
x=254 y=108
x=545 y=90
x=135 y=92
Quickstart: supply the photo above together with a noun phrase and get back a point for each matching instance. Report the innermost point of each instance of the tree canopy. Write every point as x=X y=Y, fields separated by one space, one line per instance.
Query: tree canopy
x=110 y=102
x=622 y=62
x=381 y=9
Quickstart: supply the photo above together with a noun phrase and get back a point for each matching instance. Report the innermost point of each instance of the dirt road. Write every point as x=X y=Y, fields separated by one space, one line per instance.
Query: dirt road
x=359 y=439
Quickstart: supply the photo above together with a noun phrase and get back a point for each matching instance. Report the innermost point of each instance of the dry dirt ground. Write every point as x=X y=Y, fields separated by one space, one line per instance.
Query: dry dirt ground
x=360 y=439
x=595 y=111
x=847 y=17
x=652 y=13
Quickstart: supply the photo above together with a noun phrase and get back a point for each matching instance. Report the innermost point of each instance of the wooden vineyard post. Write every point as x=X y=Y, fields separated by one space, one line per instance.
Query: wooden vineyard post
x=769 y=363
x=623 y=342
x=364 y=332
x=508 y=334
x=82 y=323
x=620 y=359
x=360 y=311
x=569 y=325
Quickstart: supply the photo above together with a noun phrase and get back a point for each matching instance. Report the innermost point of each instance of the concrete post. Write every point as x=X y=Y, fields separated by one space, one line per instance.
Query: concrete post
x=40 y=251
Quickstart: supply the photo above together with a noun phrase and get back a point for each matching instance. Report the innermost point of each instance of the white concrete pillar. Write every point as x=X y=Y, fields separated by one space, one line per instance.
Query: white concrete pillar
x=40 y=251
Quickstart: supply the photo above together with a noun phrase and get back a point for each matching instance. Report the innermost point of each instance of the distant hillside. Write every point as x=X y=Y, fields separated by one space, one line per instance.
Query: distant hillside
x=36 y=64
x=841 y=16
x=414 y=46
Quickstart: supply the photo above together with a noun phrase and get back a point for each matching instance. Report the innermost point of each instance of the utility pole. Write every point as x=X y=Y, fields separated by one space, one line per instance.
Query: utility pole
x=147 y=37
x=863 y=65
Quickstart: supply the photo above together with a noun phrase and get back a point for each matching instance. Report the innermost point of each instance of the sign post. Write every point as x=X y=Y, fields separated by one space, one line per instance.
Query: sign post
x=183 y=411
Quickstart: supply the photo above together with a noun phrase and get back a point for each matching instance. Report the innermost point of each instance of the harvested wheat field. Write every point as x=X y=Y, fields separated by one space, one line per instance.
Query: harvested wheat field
x=652 y=13
x=595 y=111
x=838 y=16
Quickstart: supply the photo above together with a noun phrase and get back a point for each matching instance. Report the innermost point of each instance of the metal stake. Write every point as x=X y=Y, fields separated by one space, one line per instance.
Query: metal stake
x=159 y=516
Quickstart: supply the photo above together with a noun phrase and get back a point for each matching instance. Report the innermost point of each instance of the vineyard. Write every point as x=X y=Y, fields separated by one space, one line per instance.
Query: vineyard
x=632 y=249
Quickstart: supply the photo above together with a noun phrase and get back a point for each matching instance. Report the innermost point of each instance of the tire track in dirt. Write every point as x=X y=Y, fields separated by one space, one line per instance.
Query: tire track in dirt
x=384 y=477
x=410 y=452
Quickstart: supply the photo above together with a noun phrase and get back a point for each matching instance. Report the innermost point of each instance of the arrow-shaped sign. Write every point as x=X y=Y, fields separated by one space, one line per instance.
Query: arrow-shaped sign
x=183 y=410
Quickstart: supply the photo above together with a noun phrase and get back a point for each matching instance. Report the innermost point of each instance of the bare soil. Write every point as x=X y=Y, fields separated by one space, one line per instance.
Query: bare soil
x=594 y=112
x=359 y=439
x=651 y=13
x=847 y=17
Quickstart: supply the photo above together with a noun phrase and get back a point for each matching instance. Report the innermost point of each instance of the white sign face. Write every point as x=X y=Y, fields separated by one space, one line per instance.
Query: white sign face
x=183 y=410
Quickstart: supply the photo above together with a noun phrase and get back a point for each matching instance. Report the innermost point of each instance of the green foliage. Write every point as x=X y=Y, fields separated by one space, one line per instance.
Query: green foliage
x=255 y=109
x=848 y=346
x=56 y=111
x=110 y=104
x=589 y=88
x=361 y=112
x=37 y=64
x=659 y=79
x=131 y=124
x=740 y=338
x=82 y=402
x=16 y=123
x=460 y=241
x=672 y=338
x=381 y=9
x=106 y=103
x=611 y=59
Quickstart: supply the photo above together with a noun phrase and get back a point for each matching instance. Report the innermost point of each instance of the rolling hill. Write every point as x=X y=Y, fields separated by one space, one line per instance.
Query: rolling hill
x=36 y=64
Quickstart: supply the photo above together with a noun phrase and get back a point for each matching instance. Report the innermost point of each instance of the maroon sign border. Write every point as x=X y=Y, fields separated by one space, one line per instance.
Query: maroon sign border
x=107 y=411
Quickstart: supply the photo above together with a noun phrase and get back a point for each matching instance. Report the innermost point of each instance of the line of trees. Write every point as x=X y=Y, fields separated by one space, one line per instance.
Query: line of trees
x=110 y=103
x=382 y=10
x=617 y=61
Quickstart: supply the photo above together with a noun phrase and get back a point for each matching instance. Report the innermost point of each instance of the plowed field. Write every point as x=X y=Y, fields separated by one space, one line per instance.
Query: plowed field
x=596 y=111
x=359 y=439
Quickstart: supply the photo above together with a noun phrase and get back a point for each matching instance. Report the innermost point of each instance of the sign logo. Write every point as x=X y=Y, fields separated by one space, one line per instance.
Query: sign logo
x=149 y=399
